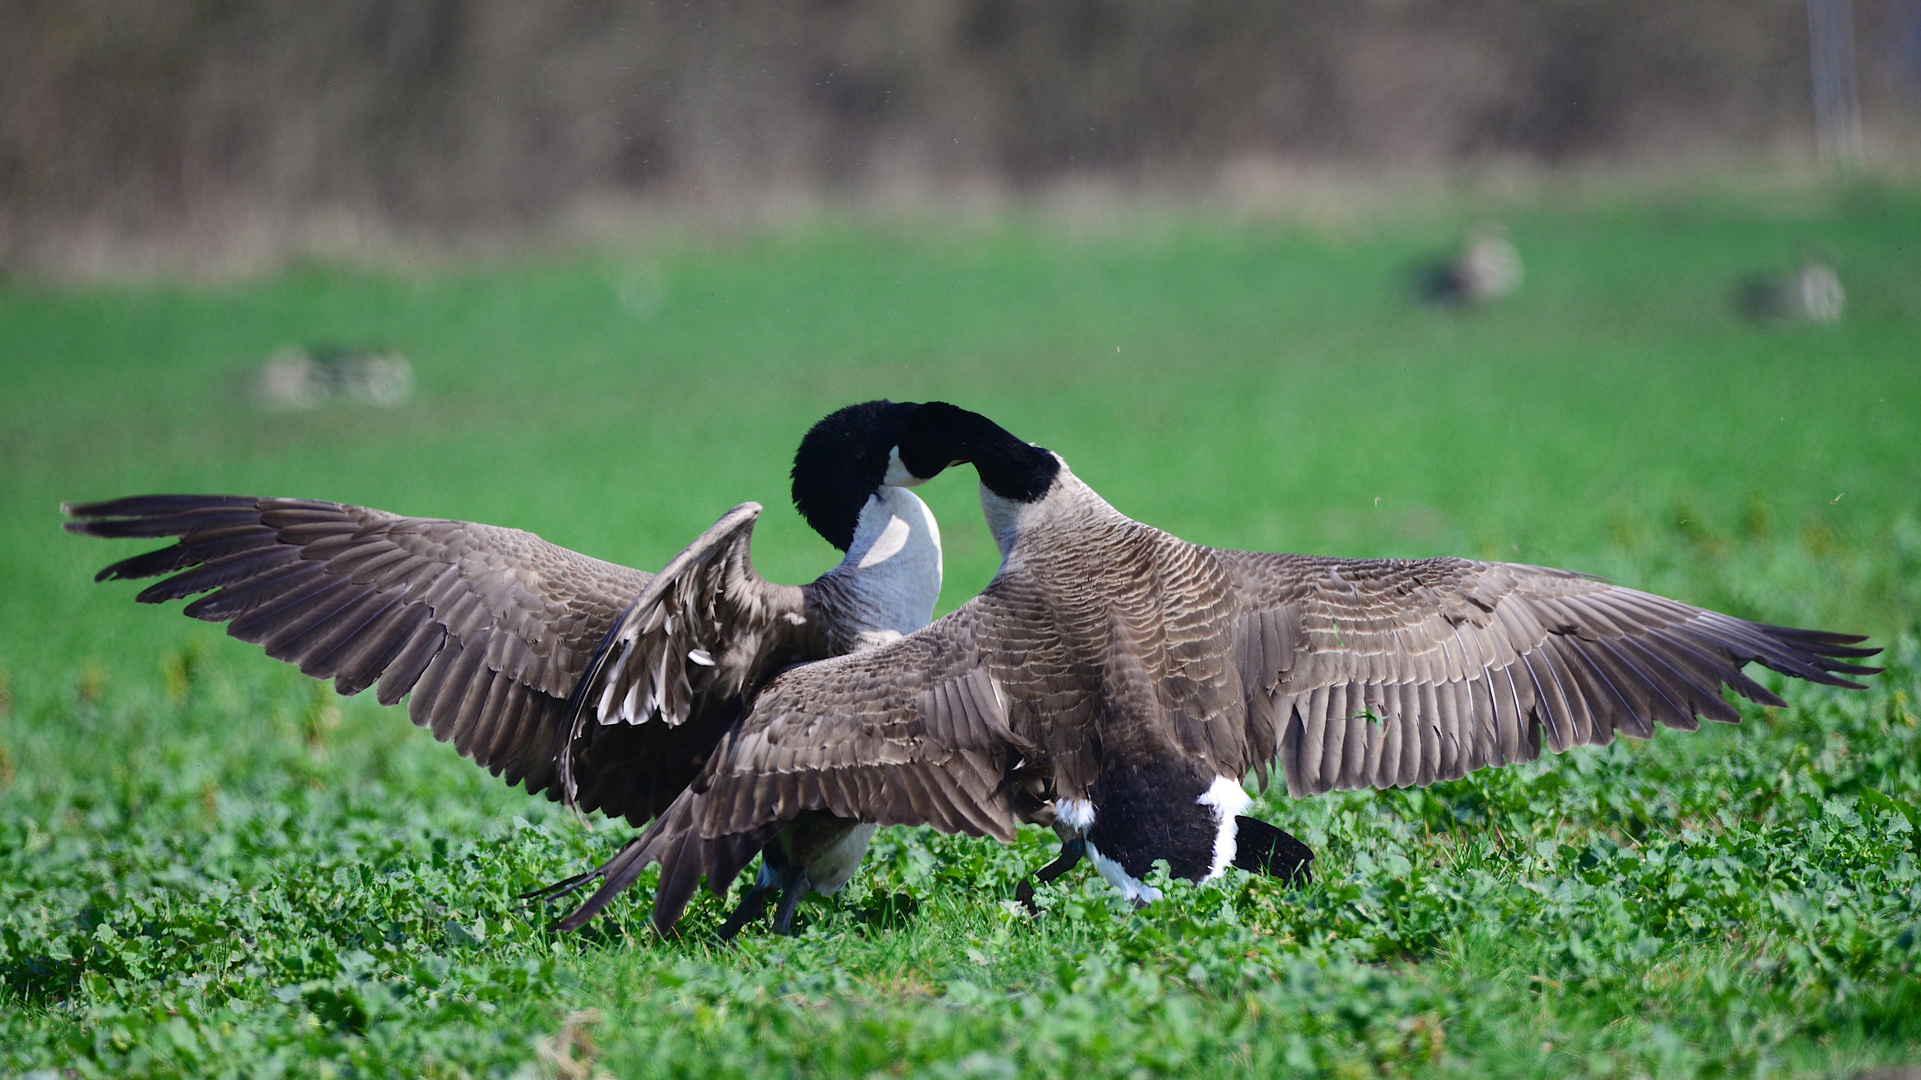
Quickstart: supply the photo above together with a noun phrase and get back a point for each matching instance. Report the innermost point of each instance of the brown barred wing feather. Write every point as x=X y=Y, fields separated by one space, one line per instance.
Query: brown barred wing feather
x=488 y=629
x=1365 y=673
x=675 y=670
x=911 y=733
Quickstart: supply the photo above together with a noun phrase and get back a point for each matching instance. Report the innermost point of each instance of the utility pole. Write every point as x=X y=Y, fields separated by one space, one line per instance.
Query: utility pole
x=1837 y=102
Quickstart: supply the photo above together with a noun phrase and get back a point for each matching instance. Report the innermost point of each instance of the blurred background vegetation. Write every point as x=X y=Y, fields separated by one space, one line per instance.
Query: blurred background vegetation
x=229 y=134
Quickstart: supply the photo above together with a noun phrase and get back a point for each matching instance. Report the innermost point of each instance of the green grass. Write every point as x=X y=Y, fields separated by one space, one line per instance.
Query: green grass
x=209 y=866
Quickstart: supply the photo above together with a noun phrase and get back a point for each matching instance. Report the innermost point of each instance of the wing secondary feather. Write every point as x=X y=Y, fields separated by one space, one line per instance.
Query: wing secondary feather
x=1364 y=673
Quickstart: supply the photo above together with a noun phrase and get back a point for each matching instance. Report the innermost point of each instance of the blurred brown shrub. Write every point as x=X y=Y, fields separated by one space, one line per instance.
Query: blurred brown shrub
x=437 y=118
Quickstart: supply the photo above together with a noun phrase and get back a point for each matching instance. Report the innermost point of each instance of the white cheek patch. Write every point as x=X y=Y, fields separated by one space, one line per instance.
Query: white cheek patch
x=888 y=543
x=898 y=474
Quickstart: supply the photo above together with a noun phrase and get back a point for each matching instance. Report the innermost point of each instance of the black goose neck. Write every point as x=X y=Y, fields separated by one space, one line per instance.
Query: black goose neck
x=939 y=435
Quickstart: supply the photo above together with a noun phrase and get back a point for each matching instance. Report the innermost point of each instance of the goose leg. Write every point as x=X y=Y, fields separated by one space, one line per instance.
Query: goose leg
x=784 y=915
x=778 y=874
x=1071 y=852
x=750 y=908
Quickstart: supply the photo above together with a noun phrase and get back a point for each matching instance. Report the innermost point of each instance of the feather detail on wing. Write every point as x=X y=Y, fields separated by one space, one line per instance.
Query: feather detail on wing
x=911 y=733
x=488 y=629
x=1382 y=673
x=698 y=639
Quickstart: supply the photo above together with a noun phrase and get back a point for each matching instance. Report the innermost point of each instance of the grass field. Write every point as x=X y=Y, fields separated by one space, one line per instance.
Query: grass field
x=210 y=866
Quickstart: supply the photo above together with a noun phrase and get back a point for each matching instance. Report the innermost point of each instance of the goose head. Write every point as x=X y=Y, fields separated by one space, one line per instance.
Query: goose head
x=1017 y=478
x=890 y=578
x=842 y=465
x=937 y=436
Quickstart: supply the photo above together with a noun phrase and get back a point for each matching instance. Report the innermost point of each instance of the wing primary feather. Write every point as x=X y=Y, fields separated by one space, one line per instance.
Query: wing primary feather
x=615 y=874
x=154 y=527
x=1293 y=734
x=476 y=727
x=1559 y=731
x=1662 y=708
x=1621 y=680
x=365 y=656
x=1567 y=691
x=240 y=541
x=271 y=623
x=237 y=569
x=151 y=506
x=510 y=712
x=1513 y=719
x=1361 y=741
x=1671 y=684
x=425 y=643
x=1336 y=729
x=1439 y=716
x=1417 y=707
x=325 y=642
x=436 y=701
x=238 y=599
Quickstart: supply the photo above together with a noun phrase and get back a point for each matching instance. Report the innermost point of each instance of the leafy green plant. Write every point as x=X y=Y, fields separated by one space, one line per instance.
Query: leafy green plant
x=211 y=866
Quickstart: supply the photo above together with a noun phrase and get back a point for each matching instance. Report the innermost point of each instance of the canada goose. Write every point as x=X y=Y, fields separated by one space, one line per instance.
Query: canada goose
x=1119 y=682
x=1811 y=294
x=594 y=683
x=299 y=379
x=1486 y=268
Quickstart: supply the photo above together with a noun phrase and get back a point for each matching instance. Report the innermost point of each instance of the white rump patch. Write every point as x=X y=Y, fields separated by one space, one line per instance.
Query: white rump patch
x=1131 y=888
x=1228 y=799
x=888 y=543
x=1076 y=814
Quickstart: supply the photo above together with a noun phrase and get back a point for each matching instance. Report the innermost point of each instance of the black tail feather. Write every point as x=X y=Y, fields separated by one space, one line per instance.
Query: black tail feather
x=564 y=887
x=1260 y=848
x=617 y=872
x=684 y=856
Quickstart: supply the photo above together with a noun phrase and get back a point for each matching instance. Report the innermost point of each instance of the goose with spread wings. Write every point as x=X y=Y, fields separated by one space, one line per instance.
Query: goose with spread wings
x=591 y=682
x=1120 y=683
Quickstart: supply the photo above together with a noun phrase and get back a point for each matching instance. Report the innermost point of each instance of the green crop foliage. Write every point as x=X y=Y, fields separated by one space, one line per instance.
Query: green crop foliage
x=210 y=866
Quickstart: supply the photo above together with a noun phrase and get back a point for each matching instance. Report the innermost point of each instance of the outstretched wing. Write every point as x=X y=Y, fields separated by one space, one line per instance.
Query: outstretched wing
x=911 y=733
x=1382 y=673
x=673 y=673
x=488 y=628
